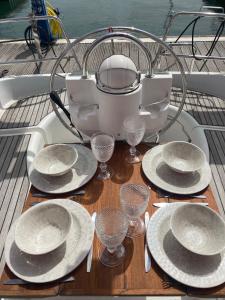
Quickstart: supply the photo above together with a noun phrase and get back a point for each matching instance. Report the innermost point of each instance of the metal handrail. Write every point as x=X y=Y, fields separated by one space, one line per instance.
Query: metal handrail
x=212 y=7
x=126 y=36
x=174 y=15
x=172 y=18
x=33 y=18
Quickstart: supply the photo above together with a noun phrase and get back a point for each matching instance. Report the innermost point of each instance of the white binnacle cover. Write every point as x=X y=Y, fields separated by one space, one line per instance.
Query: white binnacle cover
x=55 y=160
x=42 y=229
x=117 y=71
x=199 y=229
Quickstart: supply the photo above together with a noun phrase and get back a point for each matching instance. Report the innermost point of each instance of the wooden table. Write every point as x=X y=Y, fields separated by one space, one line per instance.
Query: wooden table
x=129 y=278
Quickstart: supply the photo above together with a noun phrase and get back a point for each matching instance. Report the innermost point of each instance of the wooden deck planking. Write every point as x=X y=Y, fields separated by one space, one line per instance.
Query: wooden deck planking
x=5 y=161
x=216 y=145
x=217 y=169
x=33 y=106
x=216 y=153
x=7 y=169
x=218 y=51
x=211 y=64
x=221 y=52
x=206 y=110
x=14 y=187
x=5 y=119
x=19 y=51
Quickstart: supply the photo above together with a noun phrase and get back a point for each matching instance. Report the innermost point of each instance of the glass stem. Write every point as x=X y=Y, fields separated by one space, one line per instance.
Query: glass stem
x=133 y=221
x=132 y=151
x=111 y=250
x=103 y=167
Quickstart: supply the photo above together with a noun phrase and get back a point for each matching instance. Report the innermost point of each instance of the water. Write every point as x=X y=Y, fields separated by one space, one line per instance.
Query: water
x=82 y=16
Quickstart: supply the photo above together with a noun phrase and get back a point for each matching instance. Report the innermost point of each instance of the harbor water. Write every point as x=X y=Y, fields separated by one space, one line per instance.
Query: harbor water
x=82 y=16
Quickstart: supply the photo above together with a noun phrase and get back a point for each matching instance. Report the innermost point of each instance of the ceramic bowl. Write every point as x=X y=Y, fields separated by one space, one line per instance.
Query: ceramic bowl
x=42 y=228
x=55 y=160
x=183 y=157
x=199 y=229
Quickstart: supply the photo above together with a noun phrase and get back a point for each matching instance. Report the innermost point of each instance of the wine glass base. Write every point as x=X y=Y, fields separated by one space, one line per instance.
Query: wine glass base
x=105 y=175
x=111 y=259
x=135 y=228
x=133 y=159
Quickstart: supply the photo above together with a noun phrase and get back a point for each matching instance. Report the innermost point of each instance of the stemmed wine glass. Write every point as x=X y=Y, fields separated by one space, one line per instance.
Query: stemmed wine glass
x=134 y=129
x=102 y=145
x=111 y=227
x=134 y=201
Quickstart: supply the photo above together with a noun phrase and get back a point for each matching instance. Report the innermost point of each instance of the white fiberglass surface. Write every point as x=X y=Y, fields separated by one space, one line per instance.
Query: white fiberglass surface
x=182 y=130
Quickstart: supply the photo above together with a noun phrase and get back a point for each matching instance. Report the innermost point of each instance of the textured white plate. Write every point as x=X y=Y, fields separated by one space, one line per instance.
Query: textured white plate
x=184 y=266
x=81 y=173
x=54 y=265
x=164 y=177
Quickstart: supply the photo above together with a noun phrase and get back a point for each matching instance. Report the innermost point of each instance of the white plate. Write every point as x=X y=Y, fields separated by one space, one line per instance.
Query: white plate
x=162 y=176
x=54 y=265
x=83 y=170
x=184 y=266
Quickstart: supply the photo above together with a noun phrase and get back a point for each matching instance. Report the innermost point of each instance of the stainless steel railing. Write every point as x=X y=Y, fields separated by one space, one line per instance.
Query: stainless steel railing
x=203 y=14
x=31 y=19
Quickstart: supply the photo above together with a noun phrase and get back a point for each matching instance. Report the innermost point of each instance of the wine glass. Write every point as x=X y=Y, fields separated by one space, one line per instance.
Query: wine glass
x=134 y=129
x=134 y=201
x=111 y=228
x=102 y=145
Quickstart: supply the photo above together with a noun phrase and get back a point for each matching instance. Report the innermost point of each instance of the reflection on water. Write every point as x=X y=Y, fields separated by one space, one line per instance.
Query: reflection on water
x=8 y=6
x=11 y=9
x=220 y=3
x=82 y=16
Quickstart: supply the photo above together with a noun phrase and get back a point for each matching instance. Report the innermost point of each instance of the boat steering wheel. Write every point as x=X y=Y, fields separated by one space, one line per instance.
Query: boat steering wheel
x=111 y=33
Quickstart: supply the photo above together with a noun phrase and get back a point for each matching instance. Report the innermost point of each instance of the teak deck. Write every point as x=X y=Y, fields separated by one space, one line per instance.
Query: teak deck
x=129 y=278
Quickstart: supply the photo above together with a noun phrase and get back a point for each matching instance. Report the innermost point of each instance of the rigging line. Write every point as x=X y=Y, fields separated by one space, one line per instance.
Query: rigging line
x=171 y=4
x=192 y=38
x=28 y=35
x=185 y=29
x=216 y=39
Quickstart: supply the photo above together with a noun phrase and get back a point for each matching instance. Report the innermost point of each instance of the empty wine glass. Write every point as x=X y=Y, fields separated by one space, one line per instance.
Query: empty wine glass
x=134 y=129
x=134 y=201
x=111 y=228
x=102 y=145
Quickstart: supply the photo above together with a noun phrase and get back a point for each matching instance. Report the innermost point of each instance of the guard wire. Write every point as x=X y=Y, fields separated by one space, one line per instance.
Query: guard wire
x=212 y=47
x=185 y=29
x=214 y=42
x=45 y=47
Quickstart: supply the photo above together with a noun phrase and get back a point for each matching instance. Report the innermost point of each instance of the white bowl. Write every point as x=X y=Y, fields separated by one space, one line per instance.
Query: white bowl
x=199 y=229
x=55 y=160
x=183 y=157
x=42 y=228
